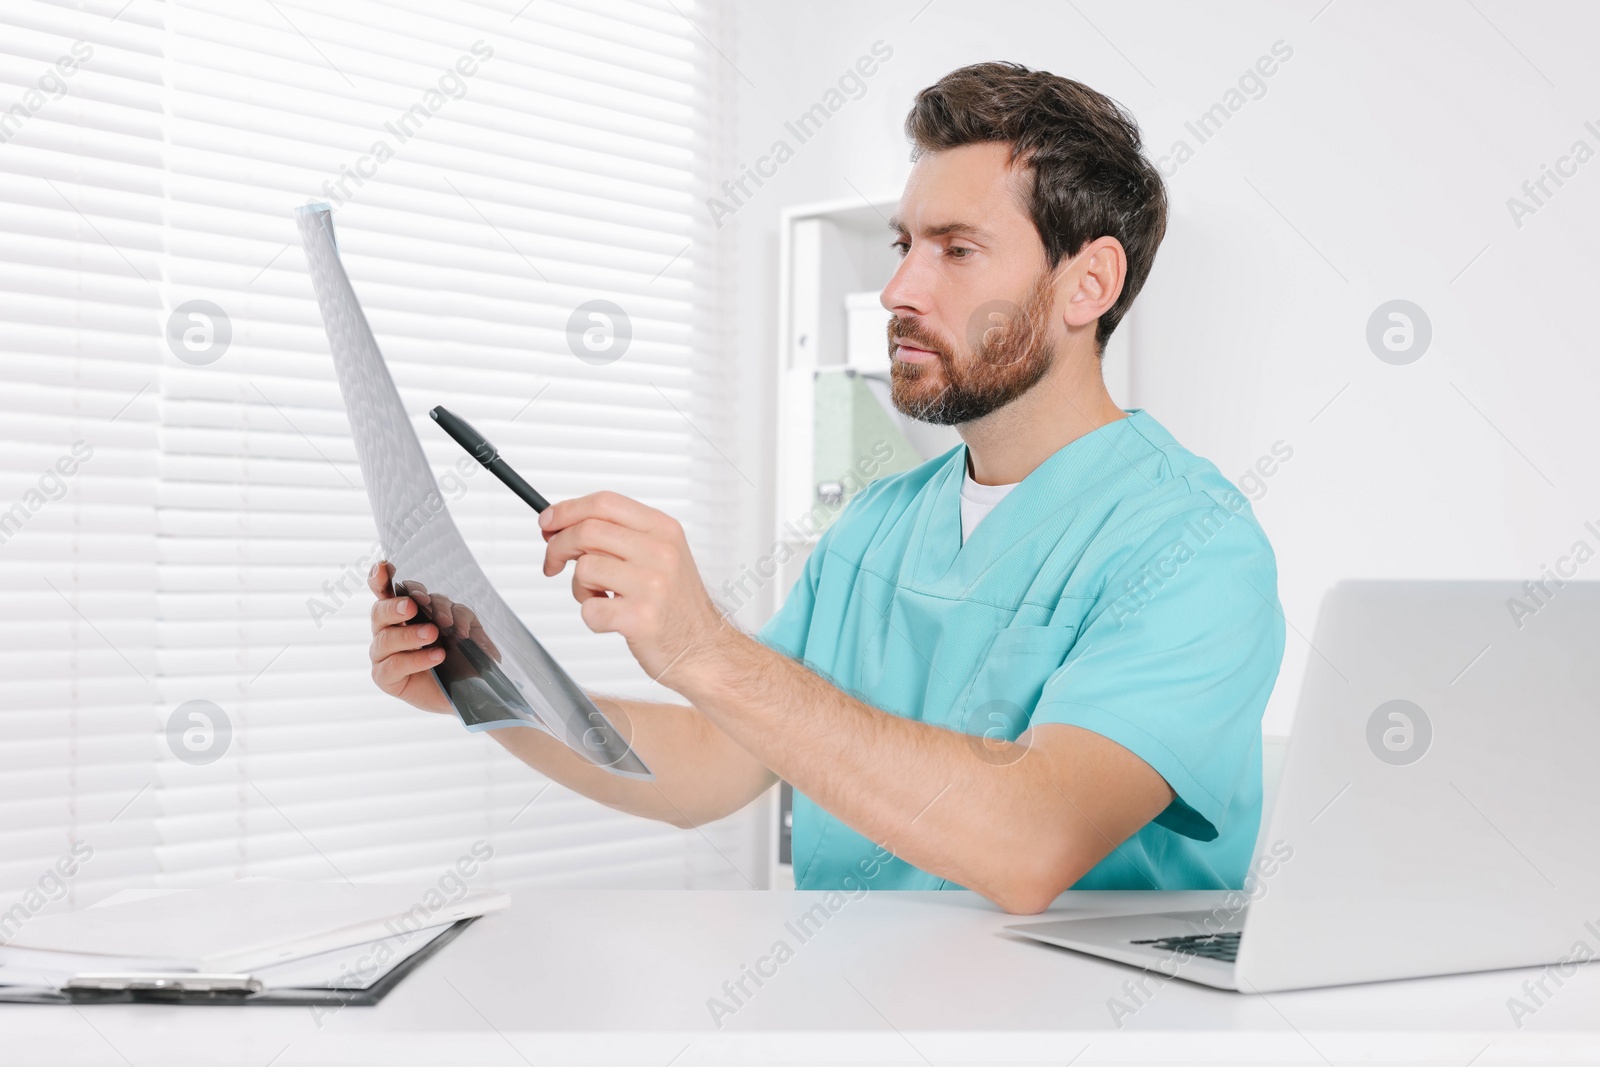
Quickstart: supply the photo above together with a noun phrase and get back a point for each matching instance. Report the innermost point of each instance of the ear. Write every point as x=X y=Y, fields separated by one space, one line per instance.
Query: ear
x=1093 y=281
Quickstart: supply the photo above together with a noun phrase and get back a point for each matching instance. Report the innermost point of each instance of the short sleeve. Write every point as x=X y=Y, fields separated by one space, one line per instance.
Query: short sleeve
x=787 y=629
x=1177 y=660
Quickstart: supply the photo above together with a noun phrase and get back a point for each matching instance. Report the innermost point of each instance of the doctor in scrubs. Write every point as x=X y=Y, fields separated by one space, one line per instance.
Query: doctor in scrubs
x=1034 y=663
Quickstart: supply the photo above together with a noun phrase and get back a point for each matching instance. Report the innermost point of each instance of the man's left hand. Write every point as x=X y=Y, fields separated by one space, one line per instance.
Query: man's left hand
x=634 y=576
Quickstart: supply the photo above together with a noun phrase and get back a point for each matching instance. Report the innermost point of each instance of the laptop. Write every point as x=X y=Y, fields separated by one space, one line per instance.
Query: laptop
x=1437 y=808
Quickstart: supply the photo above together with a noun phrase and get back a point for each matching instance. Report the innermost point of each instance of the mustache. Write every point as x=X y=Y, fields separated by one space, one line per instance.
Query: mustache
x=913 y=333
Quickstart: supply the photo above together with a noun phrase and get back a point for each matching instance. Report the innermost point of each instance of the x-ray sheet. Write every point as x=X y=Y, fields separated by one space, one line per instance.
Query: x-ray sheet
x=495 y=672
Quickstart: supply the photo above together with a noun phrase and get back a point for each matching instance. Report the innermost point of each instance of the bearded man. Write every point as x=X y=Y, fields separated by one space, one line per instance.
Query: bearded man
x=1034 y=663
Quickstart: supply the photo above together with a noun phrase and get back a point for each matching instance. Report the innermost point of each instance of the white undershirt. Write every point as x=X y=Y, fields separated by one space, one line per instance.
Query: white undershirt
x=977 y=501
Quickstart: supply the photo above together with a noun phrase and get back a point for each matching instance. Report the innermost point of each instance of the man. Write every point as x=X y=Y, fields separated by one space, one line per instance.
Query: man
x=1036 y=662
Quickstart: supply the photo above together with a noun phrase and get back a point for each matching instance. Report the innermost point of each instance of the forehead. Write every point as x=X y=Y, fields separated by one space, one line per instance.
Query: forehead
x=971 y=186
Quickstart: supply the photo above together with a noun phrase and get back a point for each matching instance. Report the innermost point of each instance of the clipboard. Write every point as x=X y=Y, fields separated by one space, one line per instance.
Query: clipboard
x=228 y=990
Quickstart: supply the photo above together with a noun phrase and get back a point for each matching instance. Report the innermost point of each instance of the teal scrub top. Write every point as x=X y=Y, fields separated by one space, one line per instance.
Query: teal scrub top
x=1124 y=586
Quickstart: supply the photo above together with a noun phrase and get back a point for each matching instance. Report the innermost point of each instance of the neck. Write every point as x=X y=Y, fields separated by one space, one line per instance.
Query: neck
x=1071 y=400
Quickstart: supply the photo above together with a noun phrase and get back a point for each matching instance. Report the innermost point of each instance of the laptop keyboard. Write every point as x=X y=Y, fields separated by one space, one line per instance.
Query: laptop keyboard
x=1223 y=947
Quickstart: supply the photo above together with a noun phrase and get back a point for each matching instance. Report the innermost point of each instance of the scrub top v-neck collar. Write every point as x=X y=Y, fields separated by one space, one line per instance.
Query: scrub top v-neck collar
x=946 y=566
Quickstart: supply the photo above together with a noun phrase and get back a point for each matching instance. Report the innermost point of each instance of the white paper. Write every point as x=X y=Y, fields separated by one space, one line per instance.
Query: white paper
x=236 y=927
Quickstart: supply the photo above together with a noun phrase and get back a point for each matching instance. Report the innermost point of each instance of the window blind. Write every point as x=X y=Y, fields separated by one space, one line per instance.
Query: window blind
x=186 y=688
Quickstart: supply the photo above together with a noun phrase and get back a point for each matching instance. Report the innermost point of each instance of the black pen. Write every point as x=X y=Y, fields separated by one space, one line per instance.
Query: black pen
x=482 y=451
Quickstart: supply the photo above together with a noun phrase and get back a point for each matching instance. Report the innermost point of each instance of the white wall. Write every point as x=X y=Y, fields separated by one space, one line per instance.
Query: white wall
x=1376 y=165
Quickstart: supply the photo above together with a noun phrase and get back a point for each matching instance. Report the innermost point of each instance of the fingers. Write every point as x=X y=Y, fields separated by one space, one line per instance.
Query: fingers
x=388 y=610
x=441 y=609
x=391 y=672
x=463 y=620
x=481 y=636
x=393 y=639
x=600 y=614
x=594 y=535
x=396 y=611
x=612 y=507
x=378 y=579
x=596 y=575
x=468 y=627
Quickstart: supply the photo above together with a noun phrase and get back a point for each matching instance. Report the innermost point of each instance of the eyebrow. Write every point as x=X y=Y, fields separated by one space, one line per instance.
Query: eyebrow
x=948 y=229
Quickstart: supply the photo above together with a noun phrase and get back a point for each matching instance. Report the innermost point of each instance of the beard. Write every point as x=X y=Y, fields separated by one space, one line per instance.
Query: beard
x=1008 y=351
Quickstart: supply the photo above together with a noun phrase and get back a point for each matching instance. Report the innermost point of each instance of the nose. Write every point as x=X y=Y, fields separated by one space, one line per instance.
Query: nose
x=910 y=290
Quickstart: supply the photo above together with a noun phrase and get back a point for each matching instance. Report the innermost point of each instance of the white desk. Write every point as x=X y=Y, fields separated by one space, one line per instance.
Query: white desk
x=608 y=977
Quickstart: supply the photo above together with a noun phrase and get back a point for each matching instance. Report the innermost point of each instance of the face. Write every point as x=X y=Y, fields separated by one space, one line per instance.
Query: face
x=973 y=299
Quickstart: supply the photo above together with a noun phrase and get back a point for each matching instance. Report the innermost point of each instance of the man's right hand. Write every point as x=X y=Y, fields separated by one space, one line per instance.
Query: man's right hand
x=401 y=666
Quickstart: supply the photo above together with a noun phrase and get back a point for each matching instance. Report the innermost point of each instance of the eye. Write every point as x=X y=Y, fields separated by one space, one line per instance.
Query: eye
x=901 y=248
x=959 y=251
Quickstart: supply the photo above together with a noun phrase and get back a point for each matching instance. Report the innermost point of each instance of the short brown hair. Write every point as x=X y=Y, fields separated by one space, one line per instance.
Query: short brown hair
x=1090 y=178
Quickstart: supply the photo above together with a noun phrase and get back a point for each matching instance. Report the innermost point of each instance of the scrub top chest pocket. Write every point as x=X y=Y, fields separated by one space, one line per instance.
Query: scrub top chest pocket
x=1010 y=678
